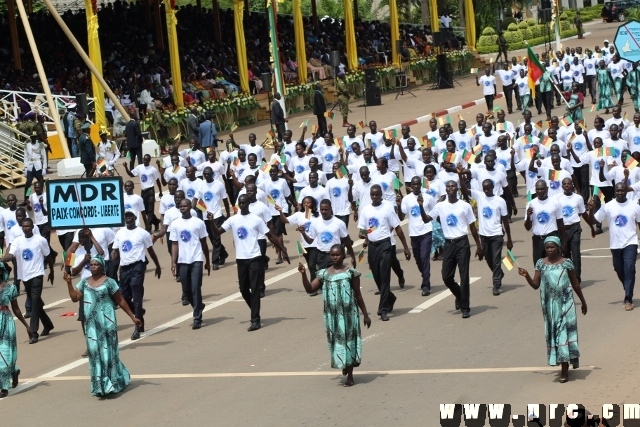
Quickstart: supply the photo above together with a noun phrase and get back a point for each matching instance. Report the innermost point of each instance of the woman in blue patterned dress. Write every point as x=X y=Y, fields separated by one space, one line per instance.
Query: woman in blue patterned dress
x=98 y=293
x=604 y=88
x=555 y=276
x=341 y=293
x=9 y=372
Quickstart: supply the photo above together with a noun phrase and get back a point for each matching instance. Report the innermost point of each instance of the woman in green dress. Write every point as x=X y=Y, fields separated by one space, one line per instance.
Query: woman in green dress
x=341 y=293
x=604 y=87
x=555 y=276
x=632 y=79
x=9 y=372
x=575 y=102
x=98 y=293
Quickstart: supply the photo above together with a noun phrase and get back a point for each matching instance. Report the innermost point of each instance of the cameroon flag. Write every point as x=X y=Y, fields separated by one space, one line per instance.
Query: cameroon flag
x=535 y=70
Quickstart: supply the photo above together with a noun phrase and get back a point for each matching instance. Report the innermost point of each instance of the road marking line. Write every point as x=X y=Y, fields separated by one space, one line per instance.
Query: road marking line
x=437 y=298
x=320 y=373
x=53 y=304
x=209 y=305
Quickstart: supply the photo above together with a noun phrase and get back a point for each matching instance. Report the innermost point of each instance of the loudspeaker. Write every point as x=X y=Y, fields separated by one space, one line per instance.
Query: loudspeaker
x=544 y=16
x=82 y=106
x=446 y=81
x=266 y=81
x=370 y=77
x=437 y=39
x=373 y=96
x=335 y=58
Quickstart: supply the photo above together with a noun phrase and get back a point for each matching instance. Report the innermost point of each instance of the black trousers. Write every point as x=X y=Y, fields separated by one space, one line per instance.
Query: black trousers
x=149 y=198
x=65 y=240
x=33 y=173
x=132 y=288
x=34 y=294
x=395 y=264
x=590 y=82
x=218 y=253
x=262 y=243
x=538 y=100
x=457 y=253
x=581 y=175
x=322 y=125
x=508 y=92
x=547 y=102
x=135 y=152
x=489 y=100
x=492 y=246
x=312 y=261
x=250 y=272
x=323 y=259
x=512 y=180
x=280 y=127
x=538 y=245
x=343 y=218
x=574 y=233
x=379 y=258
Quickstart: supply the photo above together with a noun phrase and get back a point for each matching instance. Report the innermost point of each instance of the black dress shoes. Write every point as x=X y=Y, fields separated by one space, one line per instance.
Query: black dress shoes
x=401 y=283
x=496 y=291
x=384 y=316
x=466 y=315
x=426 y=293
x=196 y=325
x=457 y=304
x=135 y=335
x=45 y=332
x=33 y=339
x=253 y=327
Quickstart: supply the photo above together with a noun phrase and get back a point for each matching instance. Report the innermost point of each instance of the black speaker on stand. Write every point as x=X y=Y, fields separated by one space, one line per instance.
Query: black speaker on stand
x=444 y=77
x=82 y=107
x=371 y=88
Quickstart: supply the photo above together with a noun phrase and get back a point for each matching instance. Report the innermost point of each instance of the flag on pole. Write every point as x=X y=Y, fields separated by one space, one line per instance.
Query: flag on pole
x=341 y=172
x=460 y=117
x=474 y=71
x=535 y=70
x=468 y=156
x=329 y=114
x=428 y=142
x=70 y=259
x=425 y=183
x=554 y=175
x=390 y=133
x=339 y=142
x=473 y=132
x=444 y=120
x=529 y=196
x=450 y=158
x=234 y=126
x=101 y=165
x=361 y=255
x=360 y=124
x=606 y=151
x=566 y=121
x=593 y=108
x=598 y=193
x=572 y=137
x=308 y=213
x=500 y=127
x=397 y=184
x=530 y=153
x=631 y=163
x=476 y=149
x=301 y=249
x=201 y=205
x=314 y=129
x=538 y=125
x=305 y=123
x=546 y=141
x=264 y=166
x=510 y=260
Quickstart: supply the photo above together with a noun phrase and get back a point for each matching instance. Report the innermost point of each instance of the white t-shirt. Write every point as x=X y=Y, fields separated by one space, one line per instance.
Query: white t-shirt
x=590 y=65
x=38 y=217
x=299 y=165
x=464 y=141
x=246 y=231
x=571 y=207
x=14 y=232
x=254 y=149
x=216 y=167
x=386 y=183
x=188 y=232
x=179 y=174
x=522 y=83
x=408 y=171
x=435 y=188
x=384 y=152
x=632 y=136
x=579 y=146
x=196 y=157
x=327 y=233
x=134 y=202
x=618 y=145
x=622 y=219
x=454 y=218
x=490 y=213
x=190 y=188
x=212 y=193
x=338 y=189
x=172 y=214
x=505 y=77
x=132 y=244
x=616 y=174
x=362 y=193
x=298 y=219
x=279 y=191
x=327 y=155
x=375 y=139
x=545 y=215
x=147 y=174
x=594 y=166
x=7 y=219
x=30 y=254
x=555 y=185
x=262 y=211
x=488 y=142
x=498 y=177
x=378 y=221
x=103 y=235
x=167 y=202
x=411 y=208
x=487 y=83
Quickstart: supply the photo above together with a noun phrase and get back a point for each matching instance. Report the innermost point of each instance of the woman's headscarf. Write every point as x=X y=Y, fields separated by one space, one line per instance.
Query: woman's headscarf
x=100 y=260
x=552 y=239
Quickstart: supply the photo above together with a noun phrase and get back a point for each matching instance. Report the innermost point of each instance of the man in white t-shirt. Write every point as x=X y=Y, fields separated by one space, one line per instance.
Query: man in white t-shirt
x=30 y=252
x=376 y=222
x=506 y=77
x=456 y=217
x=493 y=218
x=148 y=175
x=128 y=246
x=374 y=138
x=622 y=215
x=544 y=218
x=37 y=203
x=212 y=193
x=420 y=232
x=188 y=236
x=246 y=228
x=488 y=83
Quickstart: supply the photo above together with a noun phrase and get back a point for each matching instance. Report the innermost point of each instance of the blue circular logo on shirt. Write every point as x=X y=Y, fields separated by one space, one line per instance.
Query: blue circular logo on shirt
x=336 y=192
x=532 y=174
x=191 y=193
x=431 y=192
x=576 y=74
x=485 y=149
x=207 y=196
x=299 y=169
x=616 y=152
x=185 y=236
x=37 y=207
x=543 y=217
x=567 y=211
x=452 y=220
x=636 y=140
x=27 y=255
x=11 y=223
x=326 y=237
x=127 y=207
x=487 y=212
x=621 y=220
x=589 y=66
x=143 y=178
x=487 y=84
x=462 y=145
x=596 y=165
x=503 y=162
x=554 y=185
x=307 y=226
x=275 y=194
x=415 y=211
x=126 y=246
x=192 y=161
x=374 y=223
x=614 y=71
x=521 y=84
x=385 y=186
x=171 y=205
x=374 y=145
x=240 y=172
x=87 y=265
x=242 y=233
x=578 y=146
x=328 y=157
x=385 y=156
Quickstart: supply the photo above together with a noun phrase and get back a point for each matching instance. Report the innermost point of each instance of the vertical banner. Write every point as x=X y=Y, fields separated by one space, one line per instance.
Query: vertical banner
x=301 y=50
x=241 y=47
x=350 y=36
x=395 y=32
x=435 y=21
x=470 y=24
x=93 y=41
x=174 y=53
x=275 y=54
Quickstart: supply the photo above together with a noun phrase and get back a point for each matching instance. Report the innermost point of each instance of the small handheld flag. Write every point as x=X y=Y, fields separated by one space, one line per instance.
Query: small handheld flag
x=270 y=200
x=529 y=196
x=510 y=260
x=460 y=117
x=305 y=123
x=314 y=129
x=468 y=156
x=265 y=166
x=500 y=127
x=546 y=141
x=367 y=143
x=341 y=172
x=360 y=124
x=425 y=183
x=476 y=149
x=598 y=193
x=444 y=120
x=307 y=213
x=101 y=164
x=361 y=255
x=450 y=158
x=234 y=126
x=300 y=248
x=566 y=121
x=390 y=133
x=339 y=142
x=593 y=108
x=329 y=114
x=474 y=71
x=554 y=175
x=473 y=132
x=236 y=161
x=397 y=184
x=201 y=205
x=538 y=125
x=496 y=109
x=70 y=259
x=631 y=163
x=428 y=142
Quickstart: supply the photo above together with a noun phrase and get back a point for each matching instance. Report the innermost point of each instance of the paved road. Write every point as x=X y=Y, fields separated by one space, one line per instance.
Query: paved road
x=281 y=375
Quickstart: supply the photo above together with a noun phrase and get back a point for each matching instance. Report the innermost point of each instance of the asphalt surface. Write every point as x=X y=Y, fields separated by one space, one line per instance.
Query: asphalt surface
x=281 y=375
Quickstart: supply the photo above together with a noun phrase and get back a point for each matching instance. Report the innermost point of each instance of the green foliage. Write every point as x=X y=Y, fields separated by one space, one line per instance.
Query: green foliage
x=523 y=25
x=488 y=31
x=632 y=13
x=488 y=41
x=507 y=21
x=512 y=27
x=531 y=22
x=493 y=48
x=513 y=37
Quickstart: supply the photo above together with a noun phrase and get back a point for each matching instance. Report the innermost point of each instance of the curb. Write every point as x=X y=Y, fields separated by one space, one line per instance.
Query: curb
x=486 y=56
x=423 y=119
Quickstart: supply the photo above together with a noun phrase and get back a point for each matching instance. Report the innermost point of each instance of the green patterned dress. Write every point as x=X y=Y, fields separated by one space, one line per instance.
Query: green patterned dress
x=8 y=340
x=604 y=89
x=632 y=85
x=108 y=374
x=341 y=318
x=574 y=99
x=559 y=313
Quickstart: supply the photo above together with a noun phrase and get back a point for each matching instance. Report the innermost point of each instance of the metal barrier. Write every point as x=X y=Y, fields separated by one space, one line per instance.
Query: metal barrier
x=11 y=156
x=10 y=104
